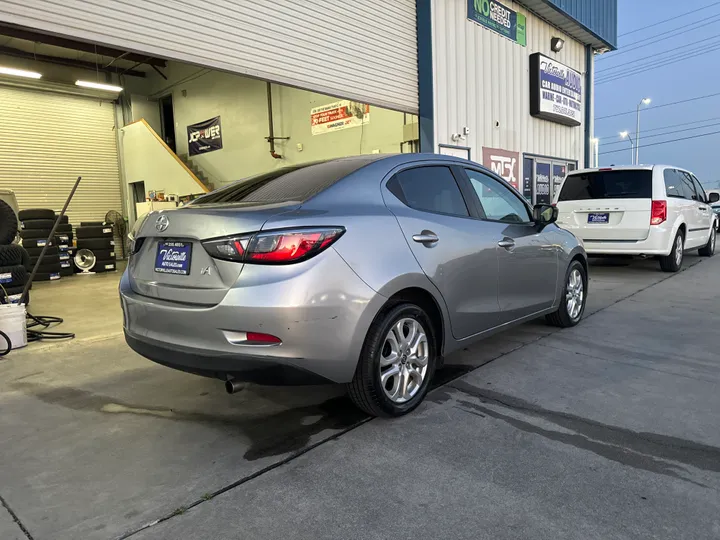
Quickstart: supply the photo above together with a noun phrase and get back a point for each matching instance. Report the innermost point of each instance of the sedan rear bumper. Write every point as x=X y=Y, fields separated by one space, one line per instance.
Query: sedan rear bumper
x=320 y=310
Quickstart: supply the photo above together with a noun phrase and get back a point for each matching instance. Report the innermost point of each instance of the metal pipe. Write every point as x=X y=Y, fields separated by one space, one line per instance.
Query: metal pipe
x=23 y=298
x=233 y=386
x=271 y=129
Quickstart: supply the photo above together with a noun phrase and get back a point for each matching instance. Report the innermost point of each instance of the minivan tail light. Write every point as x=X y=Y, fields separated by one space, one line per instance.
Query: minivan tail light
x=658 y=212
x=274 y=247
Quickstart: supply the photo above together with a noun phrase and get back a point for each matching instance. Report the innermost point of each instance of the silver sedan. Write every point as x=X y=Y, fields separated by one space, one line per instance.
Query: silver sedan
x=365 y=270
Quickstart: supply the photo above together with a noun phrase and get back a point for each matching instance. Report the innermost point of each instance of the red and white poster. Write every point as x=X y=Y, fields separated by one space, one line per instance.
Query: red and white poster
x=339 y=115
x=503 y=163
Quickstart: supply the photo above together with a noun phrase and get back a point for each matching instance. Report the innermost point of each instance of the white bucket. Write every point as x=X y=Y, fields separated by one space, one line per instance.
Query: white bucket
x=13 y=323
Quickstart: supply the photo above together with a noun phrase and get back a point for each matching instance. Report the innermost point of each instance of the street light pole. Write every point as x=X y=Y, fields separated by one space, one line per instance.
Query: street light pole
x=644 y=101
x=626 y=135
x=596 y=152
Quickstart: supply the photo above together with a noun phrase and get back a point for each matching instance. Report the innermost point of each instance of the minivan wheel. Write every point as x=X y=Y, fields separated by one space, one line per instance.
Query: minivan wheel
x=574 y=298
x=673 y=261
x=396 y=364
x=708 y=250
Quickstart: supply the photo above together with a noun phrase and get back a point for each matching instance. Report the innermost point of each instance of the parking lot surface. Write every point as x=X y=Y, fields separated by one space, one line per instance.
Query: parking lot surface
x=606 y=430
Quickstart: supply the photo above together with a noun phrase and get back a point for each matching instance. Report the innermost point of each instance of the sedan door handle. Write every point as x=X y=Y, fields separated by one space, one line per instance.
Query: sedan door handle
x=425 y=237
x=507 y=243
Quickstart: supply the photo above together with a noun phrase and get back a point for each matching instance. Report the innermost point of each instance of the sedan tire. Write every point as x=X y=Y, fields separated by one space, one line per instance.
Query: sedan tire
x=574 y=297
x=397 y=362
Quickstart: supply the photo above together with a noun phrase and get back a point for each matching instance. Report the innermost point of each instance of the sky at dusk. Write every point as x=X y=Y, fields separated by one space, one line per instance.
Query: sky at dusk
x=695 y=73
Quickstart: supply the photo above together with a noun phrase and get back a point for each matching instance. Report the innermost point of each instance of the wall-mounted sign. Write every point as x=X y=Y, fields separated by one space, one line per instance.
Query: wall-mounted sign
x=204 y=137
x=499 y=18
x=555 y=91
x=338 y=115
x=503 y=163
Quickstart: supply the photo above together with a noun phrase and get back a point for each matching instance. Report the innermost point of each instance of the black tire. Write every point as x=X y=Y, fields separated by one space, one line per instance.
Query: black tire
x=13 y=276
x=67 y=271
x=673 y=261
x=47 y=277
x=34 y=243
x=11 y=255
x=63 y=220
x=708 y=250
x=562 y=317
x=95 y=243
x=51 y=251
x=104 y=254
x=34 y=233
x=92 y=223
x=49 y=267
x=366 y=389
x=42 y=224
x=25 y=259
x=36 y=213
x=8 y=224
x=63 y=239
x=94 y=232
x=64 y=228
x=104 y=266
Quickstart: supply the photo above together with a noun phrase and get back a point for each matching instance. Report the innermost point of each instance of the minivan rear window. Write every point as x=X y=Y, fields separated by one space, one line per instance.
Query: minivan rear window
x=295 y=183
x=620 y=184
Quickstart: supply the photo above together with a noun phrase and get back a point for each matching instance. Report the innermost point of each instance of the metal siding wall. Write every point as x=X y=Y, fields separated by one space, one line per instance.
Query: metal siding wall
x=365 y=51
x=599 y=16
x=47 y=140
x=482 y=78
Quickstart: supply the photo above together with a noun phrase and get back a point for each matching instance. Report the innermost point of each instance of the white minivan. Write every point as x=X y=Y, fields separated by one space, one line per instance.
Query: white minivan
x=646 y=210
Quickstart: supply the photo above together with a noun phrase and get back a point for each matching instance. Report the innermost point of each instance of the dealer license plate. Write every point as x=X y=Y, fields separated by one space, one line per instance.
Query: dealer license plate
x=173 y=258
x=598 y=218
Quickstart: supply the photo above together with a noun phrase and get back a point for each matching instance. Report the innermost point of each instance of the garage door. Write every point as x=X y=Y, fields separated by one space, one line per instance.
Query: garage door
x=364 y=50
x=47 y=140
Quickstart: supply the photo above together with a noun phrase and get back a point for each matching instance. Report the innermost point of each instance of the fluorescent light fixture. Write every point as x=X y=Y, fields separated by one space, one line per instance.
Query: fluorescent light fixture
x=98 y=86
x=19 y=73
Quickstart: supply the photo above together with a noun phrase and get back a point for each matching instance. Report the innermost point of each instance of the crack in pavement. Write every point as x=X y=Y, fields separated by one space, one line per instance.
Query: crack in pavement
x=15 y=518
x=640 y=450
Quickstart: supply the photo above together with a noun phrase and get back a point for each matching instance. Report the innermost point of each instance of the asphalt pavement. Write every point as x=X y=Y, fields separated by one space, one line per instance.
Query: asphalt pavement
x=606 y=430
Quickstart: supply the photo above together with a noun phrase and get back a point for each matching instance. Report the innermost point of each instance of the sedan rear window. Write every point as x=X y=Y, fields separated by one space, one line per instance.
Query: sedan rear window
x=288 y=184
x=607 y=185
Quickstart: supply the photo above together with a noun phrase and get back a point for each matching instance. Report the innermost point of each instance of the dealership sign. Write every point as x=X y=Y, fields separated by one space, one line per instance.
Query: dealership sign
x=338 y=115
x=204 y=136
x=499 y=18
x=503 y=163
x=555 y=91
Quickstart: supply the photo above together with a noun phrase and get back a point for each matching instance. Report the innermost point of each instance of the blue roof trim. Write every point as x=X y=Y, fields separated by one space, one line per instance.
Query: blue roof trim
x=598 y=17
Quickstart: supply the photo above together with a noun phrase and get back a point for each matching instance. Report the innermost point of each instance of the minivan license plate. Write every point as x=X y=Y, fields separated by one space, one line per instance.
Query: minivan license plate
x=598 y=218
x=173 y=258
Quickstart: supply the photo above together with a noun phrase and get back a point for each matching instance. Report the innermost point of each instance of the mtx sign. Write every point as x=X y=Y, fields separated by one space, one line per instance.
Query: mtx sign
x=503 y=163
x=555 y=91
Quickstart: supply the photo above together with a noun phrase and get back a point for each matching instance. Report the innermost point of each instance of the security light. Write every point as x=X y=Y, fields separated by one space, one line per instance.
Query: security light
x=624 y=134
x=556 y=44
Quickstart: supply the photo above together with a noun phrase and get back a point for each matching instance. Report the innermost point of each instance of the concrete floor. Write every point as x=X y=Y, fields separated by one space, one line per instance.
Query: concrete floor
x=607 y=430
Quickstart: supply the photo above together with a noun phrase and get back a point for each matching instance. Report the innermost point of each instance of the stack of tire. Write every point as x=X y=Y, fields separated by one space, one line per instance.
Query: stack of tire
x=14 y=260
x=97 y=237
x=64 y=241
x=35 y=227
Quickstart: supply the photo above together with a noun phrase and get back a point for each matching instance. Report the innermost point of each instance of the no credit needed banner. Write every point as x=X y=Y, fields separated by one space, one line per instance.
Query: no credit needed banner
x=499 y=18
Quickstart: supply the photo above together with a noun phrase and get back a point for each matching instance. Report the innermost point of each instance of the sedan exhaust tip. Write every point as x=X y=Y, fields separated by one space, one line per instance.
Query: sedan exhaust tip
x=233 y=387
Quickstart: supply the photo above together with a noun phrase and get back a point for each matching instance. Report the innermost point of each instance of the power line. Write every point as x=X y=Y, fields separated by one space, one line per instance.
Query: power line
x=659 y=106
x=668 y=133
x=662 y=37
x=654 y=56
x=670 y=19
x=660 y=64
x=666 y=127
x=664 y=142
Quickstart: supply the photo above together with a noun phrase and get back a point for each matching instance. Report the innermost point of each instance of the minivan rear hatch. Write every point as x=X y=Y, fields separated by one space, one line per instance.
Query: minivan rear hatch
x=607 y=204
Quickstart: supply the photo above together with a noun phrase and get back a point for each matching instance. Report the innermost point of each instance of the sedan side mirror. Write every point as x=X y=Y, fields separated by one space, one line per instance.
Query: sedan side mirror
x=714 y=197
x=544 y=214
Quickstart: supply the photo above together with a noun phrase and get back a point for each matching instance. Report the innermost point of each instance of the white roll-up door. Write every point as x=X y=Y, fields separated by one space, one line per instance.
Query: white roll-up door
x=49 y=139
x=365 y=50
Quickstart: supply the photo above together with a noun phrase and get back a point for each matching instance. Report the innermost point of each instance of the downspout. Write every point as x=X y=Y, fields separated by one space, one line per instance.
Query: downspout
x=271 y=130
x=589 y=102
x=426 y=116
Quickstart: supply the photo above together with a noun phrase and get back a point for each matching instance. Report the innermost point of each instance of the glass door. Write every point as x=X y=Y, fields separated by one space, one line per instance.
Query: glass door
x=559 y=170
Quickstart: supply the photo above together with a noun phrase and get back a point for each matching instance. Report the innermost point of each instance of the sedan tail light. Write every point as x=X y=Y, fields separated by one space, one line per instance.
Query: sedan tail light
x=274 y=247
x=658 y=212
